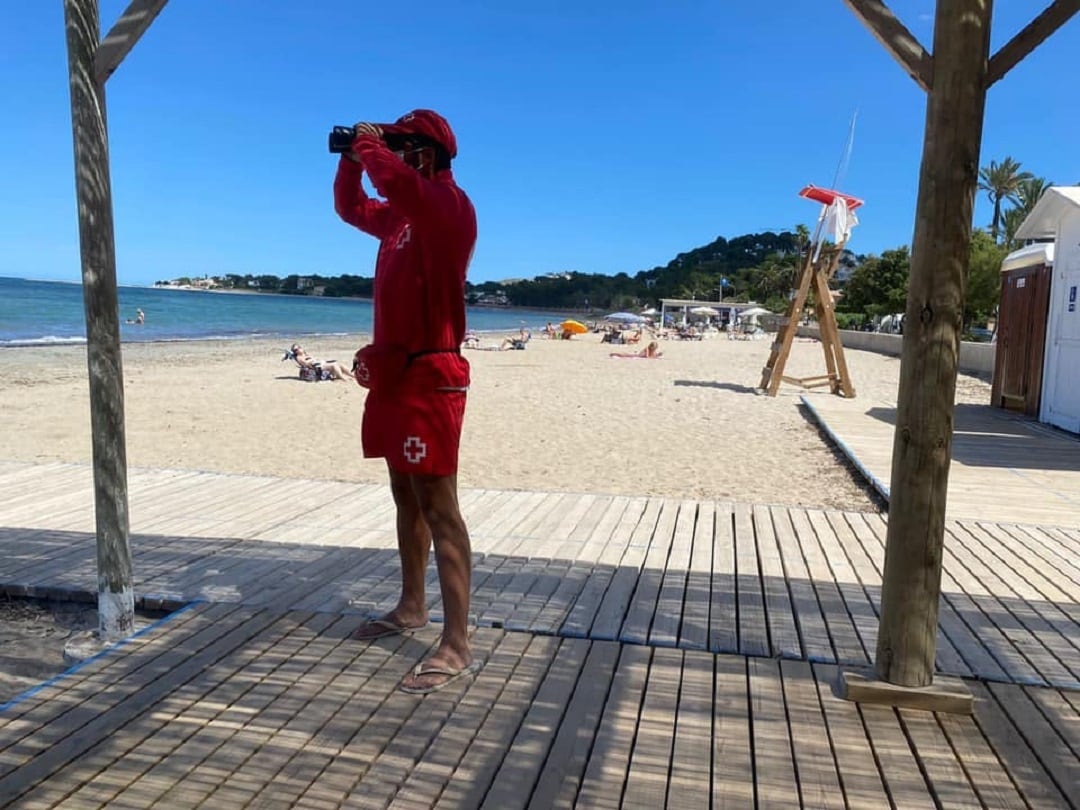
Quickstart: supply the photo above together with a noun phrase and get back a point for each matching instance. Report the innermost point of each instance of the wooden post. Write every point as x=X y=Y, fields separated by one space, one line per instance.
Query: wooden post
x=116 y=604
x=922 y=444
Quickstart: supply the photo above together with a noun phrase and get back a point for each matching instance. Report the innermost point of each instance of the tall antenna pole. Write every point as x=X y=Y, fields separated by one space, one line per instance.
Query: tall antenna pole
x=845 y=157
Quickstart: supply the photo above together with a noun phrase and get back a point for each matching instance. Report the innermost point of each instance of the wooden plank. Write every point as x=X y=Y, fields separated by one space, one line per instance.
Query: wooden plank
x=858 y=581
x=809 y=618
x=1040 y=573
x=901 y=44
x=409 y=739
x=1029 y=661
x=690 y=781
x=491 y=579
x=93 y=677
x=439 y=764
x=359 y=692
x=783 y=635
x=1033 y=34
x=694 y=632
x=775 y=784
x=123 y=35
x=732 y=750
x=854 y=757
x=564 y=768
x=667 y=620
x=898 y=765
x=642 y=608
x=948 y=781
x=819 y=782
x=1052 y=546
x=606 y=773
x=615 y=605
x=61 y=742
x=753 y=628
x=523 y=763
x=484 y=755
x=591 y=593
x=980 y=763
x=1062 y=716
x=573 y=599
x=1018 y=757
x=1061 y=763
x=724 y=606
x=518 y=605
x=650 y=760
x=194 y=723
x=838 y=616
x=986 y=630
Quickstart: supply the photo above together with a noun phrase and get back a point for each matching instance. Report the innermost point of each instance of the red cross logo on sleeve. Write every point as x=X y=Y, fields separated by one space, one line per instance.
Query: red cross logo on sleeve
x=415 y=450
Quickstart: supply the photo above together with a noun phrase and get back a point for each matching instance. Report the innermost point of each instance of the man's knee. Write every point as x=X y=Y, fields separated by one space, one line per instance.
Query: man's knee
x=438 y=503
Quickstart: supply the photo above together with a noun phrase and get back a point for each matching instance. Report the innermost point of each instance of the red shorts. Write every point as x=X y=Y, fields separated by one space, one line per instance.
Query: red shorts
x=416 y=425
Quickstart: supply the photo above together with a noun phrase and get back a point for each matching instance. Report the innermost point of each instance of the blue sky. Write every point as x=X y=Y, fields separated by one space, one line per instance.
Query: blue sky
x=595 y=136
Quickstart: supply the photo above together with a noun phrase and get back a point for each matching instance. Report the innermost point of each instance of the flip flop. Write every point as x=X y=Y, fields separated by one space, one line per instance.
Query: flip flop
x=449 y=674
x=380 y=628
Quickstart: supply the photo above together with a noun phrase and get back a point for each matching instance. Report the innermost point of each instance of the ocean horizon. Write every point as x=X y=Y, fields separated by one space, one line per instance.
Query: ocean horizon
x=43 y=313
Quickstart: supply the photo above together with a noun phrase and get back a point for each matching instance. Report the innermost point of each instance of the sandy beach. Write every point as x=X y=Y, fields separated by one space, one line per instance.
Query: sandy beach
x=557 y=416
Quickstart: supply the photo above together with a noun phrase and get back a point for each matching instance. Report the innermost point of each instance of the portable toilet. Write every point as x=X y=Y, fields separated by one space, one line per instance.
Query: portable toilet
x=1021 y=328
x=1057 y=216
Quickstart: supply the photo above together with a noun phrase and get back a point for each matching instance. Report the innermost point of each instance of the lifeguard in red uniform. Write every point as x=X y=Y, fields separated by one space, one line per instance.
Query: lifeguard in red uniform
x=416 y=376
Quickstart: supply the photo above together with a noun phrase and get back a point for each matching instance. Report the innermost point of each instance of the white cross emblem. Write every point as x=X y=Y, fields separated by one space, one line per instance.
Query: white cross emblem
x=415 y=450
x=405 y=238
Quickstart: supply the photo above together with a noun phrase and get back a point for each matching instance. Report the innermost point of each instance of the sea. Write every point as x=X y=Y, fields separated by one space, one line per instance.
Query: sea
x=36 y=313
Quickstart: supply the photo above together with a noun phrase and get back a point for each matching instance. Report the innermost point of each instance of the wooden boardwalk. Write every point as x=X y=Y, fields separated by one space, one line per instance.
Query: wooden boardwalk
x=639 y=652
x=1005 y=468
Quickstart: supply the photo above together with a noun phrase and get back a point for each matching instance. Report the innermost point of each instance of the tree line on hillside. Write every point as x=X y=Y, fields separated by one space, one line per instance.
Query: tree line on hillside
x=760 y=267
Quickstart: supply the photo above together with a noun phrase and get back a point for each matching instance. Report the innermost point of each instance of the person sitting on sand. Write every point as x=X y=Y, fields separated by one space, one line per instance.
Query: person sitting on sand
x=471 y=341
x=511 y=342
x=323 y=369
x=650 y=352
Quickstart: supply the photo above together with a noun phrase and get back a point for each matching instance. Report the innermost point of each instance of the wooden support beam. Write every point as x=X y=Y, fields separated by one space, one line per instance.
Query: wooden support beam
x=116 y=599
x=123 y=36
x=1034 y=33
x=922 y=443
x=896 y=38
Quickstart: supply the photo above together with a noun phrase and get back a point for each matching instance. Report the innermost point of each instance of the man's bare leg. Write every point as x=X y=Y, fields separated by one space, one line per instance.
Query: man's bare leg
x=437 y=496
x=414 y=543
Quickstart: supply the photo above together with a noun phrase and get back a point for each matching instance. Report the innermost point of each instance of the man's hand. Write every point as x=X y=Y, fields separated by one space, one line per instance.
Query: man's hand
x=364 y=128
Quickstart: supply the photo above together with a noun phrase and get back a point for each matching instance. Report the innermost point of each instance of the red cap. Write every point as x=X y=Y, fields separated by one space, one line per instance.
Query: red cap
x=424 y=122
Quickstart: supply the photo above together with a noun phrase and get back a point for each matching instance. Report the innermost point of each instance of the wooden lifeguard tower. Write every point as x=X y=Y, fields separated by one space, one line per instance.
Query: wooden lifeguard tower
x=820 y=263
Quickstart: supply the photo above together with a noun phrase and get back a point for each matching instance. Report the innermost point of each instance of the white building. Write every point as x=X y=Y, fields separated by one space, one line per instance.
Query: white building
x=1057 y=216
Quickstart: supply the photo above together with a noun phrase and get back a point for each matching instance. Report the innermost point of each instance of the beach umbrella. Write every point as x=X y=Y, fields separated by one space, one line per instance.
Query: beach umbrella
x=650 y=311
x=624 y=317
x=574 y=327
x=753 y=312
x=703 y=311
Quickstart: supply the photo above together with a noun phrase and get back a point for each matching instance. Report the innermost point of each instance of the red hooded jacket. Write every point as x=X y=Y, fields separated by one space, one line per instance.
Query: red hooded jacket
x=427 y=231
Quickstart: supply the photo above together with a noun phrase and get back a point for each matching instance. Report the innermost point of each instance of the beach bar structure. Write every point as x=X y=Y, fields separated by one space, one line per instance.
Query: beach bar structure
x=685 y=305
x=1037 y=365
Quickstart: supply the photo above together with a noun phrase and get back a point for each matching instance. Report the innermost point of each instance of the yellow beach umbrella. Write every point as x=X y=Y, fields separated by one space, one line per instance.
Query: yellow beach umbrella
x=574 y=327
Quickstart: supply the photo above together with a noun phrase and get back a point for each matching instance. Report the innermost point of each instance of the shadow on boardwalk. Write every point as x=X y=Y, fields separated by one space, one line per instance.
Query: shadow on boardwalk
x=638 y=652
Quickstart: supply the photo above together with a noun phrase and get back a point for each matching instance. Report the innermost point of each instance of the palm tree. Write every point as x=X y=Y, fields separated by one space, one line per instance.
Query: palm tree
x=1010 y=222
x=1001 y=182
x=1029 y=191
